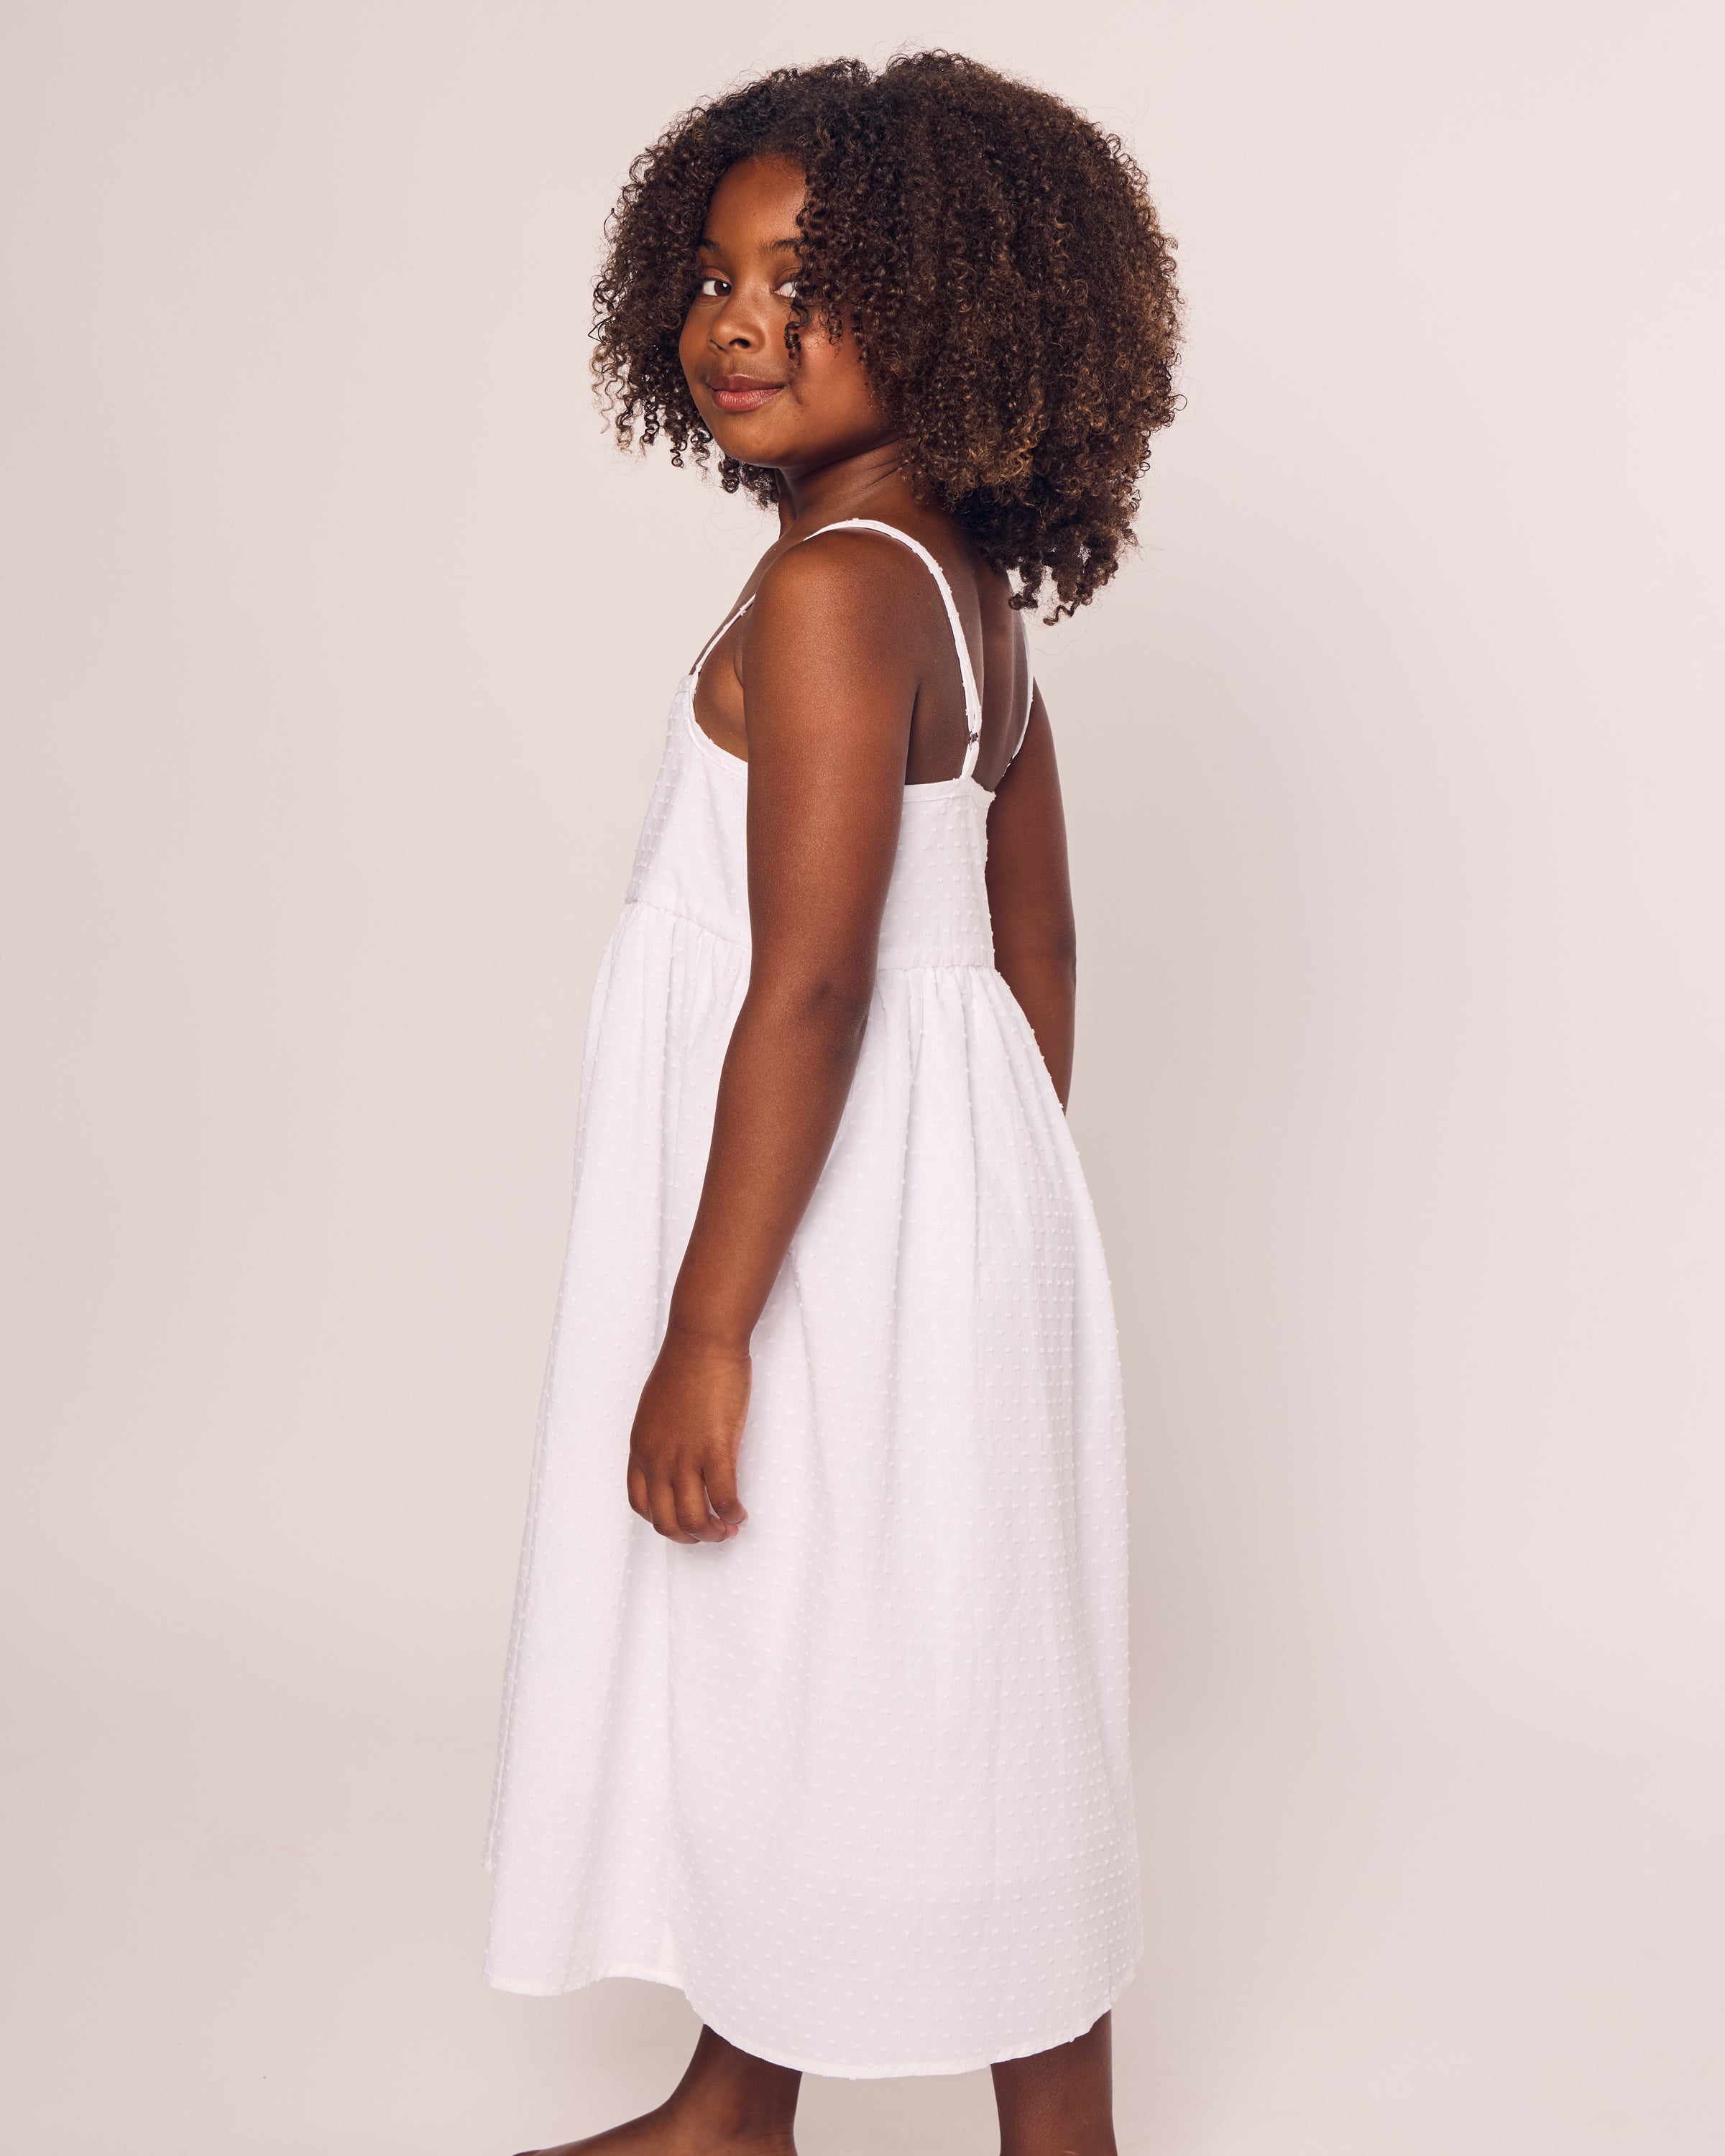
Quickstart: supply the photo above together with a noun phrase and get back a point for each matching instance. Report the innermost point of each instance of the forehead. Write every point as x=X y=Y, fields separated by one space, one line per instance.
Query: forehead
x=755 y=204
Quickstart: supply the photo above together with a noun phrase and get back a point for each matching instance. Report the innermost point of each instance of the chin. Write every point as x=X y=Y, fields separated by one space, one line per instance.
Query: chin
x=748 y=448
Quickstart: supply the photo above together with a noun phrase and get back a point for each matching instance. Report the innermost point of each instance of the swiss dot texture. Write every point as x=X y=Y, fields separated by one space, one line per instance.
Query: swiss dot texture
x=857 y=1781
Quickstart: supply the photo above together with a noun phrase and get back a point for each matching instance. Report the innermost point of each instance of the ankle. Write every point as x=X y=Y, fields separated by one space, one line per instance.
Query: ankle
x=1061 y=2141
x=723 y=2116
x=703 y=2120
x=730 y=2098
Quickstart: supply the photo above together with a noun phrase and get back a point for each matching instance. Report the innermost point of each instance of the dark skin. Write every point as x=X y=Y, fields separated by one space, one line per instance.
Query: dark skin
x=838 y=688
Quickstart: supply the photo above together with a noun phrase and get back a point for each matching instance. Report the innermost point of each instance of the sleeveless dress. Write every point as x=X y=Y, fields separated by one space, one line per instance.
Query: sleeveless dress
x=857 y=1780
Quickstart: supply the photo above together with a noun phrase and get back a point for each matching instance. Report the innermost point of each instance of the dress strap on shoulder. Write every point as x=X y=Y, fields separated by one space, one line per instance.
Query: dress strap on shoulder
x=1030 y=691
x=730 y=621
x=973 y=702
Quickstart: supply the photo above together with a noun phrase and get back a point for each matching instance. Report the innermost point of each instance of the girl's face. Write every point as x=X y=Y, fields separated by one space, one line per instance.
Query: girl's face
x=763 y=404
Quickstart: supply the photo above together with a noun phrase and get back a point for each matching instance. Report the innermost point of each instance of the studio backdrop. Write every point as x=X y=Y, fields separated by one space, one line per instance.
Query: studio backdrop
x=336 y=646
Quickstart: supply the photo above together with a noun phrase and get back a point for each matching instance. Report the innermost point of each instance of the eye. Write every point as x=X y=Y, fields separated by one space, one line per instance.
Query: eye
x=711 y=287
x=789 y=290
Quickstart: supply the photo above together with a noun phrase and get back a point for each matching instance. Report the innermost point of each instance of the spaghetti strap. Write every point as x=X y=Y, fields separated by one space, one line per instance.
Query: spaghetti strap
x=973 y=702
x=1030 y=696
x=706 y=648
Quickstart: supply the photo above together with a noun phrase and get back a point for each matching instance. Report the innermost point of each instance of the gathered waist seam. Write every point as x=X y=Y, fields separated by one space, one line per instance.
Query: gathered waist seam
x=689 y=920
x=740 y=943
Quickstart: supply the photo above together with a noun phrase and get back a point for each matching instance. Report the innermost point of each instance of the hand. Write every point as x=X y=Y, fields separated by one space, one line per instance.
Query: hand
x=682 y=1451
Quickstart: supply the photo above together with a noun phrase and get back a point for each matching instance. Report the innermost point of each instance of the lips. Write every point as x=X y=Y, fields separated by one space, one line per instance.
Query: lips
x=743 y=393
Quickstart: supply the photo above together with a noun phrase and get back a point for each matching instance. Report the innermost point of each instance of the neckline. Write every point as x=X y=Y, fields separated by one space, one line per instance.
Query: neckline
x=927 y=789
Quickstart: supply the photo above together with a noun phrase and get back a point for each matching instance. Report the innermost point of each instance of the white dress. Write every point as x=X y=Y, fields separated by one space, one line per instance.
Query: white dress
x=857 y=1780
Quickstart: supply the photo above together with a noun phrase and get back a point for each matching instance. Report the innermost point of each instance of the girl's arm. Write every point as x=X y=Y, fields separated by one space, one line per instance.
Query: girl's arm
x=830 y=679
x=1031 y=898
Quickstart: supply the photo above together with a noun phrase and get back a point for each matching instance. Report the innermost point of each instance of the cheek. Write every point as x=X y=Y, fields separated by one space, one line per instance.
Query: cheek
x=834 y=377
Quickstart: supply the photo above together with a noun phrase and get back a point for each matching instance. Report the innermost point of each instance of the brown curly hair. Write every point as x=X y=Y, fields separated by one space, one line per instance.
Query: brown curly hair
x=999 y=259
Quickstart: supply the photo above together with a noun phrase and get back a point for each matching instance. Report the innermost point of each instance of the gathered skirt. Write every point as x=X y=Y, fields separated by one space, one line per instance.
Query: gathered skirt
x=857 y=1781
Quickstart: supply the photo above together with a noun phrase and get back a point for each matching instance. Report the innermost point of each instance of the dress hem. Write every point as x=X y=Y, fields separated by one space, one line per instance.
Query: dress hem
x=826 y=2069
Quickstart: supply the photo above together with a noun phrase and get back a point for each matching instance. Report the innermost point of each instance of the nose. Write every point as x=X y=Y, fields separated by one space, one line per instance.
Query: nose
x=740 y=325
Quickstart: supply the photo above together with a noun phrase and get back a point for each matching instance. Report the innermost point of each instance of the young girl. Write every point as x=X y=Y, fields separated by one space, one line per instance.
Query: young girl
x=817 y=1701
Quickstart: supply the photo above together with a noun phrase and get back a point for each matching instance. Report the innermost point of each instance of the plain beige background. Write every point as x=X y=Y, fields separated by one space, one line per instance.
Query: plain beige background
x=337 y=650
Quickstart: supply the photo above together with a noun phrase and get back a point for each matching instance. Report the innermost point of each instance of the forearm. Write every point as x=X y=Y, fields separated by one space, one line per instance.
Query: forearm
x=781 y=1092
x=1043 y=977
x=1030 y=896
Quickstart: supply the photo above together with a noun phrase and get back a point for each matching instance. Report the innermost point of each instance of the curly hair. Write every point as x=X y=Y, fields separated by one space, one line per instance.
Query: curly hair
x=999 y=261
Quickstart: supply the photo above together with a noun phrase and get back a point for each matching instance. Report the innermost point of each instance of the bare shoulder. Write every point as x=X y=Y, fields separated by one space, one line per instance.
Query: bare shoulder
x=846 y=581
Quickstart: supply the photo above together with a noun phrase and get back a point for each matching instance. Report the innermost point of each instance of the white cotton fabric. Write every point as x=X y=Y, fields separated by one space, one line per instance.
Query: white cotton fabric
x=857 y=1780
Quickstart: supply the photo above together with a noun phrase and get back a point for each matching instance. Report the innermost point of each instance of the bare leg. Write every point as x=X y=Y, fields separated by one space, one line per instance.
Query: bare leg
x=727 y=2100
x=1059 y=2103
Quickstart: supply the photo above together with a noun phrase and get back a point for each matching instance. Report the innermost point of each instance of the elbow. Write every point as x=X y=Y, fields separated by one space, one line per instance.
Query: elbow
x=839 y=1007
x=828 y=1008
x=1049 y=954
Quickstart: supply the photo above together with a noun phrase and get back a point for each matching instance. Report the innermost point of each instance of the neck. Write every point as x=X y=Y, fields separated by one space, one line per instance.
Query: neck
x=867 y=483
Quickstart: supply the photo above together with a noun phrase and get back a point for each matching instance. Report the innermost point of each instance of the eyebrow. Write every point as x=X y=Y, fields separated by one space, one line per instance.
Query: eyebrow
x=793 y=246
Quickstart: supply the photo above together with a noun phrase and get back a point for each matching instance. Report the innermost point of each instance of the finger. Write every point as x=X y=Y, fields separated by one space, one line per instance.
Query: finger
x=694 y=1513
x=722 y=1494
x=662 y=1511
x=637 y=1486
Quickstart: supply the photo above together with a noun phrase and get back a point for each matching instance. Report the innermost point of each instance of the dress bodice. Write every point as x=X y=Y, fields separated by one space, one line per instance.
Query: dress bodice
x=693 y=855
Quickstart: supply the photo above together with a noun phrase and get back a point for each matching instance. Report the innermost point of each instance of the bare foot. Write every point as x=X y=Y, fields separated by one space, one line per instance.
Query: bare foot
x=727 y=2101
